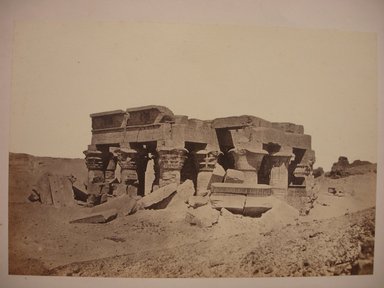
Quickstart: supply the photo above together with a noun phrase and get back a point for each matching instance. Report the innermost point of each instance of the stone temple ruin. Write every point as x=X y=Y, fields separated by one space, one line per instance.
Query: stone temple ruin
x=233 y=156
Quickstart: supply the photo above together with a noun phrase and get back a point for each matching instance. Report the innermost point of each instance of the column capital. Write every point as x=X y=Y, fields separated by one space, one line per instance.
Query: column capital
x=248 y=158
x=93 y=159
x=126 y=158
x=279 y=158
x=172 y=158
x=302 y=170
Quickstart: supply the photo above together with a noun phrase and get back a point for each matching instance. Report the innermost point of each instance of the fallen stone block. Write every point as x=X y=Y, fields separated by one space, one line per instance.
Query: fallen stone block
x=256 y=206
x=202 y=217
x=94 y=188
x=97 y=217
x=124 y=205
x=234 y=176
x=43 y=188
x=160 y=197
x=119 y=189
x=61 y=191
x=79 y=192
x=229 y=215
x=233 y=203
x=217 y=175
x=241 y=189
x=197 y=201
x=183 y=193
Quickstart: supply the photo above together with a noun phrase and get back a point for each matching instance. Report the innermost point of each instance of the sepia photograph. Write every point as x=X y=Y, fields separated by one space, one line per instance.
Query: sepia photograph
x=229 y=143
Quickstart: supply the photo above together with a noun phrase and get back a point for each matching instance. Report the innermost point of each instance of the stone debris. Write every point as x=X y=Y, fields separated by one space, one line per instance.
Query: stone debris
x=124 y=205
x=34 y=197
x=202 y=217
x=97 y=217
x=55 y=190
x=255 y=206
x=197 y=201
x=158 y=196
x=80 y=193
x=43 y=189
x=218 y=174
x=119 y=189
x=183 y=193
x=234 y=176
x=342 y=168
x=339 y=192
x=233 y=203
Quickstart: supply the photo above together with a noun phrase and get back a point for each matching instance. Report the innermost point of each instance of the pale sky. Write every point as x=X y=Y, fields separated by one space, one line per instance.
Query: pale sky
x=63 y=71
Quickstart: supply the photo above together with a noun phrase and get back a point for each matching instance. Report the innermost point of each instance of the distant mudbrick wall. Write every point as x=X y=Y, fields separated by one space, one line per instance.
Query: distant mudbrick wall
x=179 y=148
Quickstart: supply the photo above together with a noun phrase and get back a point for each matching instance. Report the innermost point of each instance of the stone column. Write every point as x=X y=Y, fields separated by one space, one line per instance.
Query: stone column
x=205 y=161
x=127 y=158
x=111 y=167
x=170 y=161
x=301 y=173
x=279 y=170
x=94 y=162
x=248 y=160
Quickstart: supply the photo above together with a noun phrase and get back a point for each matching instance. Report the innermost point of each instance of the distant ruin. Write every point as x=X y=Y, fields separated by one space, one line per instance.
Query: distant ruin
x=272 y=156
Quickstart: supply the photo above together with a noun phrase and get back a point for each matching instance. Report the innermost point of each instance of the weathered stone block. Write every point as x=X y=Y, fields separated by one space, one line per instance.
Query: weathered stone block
x=217 y=175
x=183 y=193
x=79 y=192
x=157 y=196
x=97 y=217
x=255 y=206
x=44 y=190
x=197 y=201
x=124 y=205
x=120 y=189
x=202 y=217
x=61 y=191
x=234 y=176
x=233 y=203
x=241 y=189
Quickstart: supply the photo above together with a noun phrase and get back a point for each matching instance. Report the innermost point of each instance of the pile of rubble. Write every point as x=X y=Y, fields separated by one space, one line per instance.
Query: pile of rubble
x=227 y=192
x=342 y=168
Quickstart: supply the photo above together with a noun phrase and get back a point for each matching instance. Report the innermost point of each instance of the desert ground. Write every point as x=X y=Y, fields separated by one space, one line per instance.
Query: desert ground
x=335 y=238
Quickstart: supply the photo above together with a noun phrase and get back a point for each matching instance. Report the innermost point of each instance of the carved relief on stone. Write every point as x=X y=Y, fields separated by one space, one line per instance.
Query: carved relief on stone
x=302 y=170
x=126 y=158
x=206 y=159
x=172 y=159
x=170 y=162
